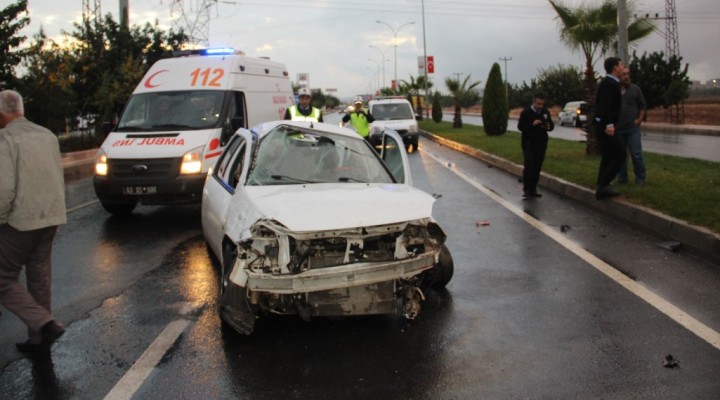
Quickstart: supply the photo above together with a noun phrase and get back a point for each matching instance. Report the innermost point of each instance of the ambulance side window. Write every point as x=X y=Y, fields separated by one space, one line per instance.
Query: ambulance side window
x=235 y=116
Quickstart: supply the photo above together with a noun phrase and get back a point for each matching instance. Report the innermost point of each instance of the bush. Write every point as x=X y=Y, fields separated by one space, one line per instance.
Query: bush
x=86 y=141
x=437 y=113
x=495 y=104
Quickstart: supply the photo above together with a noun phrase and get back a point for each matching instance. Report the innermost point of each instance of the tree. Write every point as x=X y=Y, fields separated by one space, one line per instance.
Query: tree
x=522 y=95
x=495 y=104
x=11 y=22
x=412 y=89
x=593 y=31
x=664 y=82
x=560 y=84
x=462 y=92
x=437 y=113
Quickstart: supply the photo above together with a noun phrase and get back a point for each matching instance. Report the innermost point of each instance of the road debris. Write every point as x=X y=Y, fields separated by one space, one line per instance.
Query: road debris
x=564 y=228
x=482 y=223
x=436 y=195
x=670 y=362
x=670 y=245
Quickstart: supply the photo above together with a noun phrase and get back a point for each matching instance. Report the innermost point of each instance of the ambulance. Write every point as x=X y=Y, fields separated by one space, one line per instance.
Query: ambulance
x=177 y=122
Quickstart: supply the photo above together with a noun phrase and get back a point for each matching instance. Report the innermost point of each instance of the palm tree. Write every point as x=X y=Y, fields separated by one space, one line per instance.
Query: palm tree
x=593 y=32
x=413 y=88
x=459 y=91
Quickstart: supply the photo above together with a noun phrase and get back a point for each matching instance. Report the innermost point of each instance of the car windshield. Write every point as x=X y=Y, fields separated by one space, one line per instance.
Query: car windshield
x=287 y=156
x=392 y=111
x=187 y=110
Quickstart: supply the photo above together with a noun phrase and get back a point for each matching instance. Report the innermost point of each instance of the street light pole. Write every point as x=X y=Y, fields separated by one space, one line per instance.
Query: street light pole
x=425 y=69
x=383 y=61
x=395 y=33
x=377 y=72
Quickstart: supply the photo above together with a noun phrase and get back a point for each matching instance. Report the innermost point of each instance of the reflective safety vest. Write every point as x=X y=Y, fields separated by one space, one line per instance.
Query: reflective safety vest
x=296 y=116
x=360 y=123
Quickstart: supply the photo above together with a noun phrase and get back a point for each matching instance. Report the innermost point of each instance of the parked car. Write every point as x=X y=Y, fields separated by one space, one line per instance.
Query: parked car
x=308 y=219
x=396 y=113
x=574 y=114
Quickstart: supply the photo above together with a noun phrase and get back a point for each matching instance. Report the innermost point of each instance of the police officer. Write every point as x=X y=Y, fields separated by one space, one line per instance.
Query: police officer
x=304 y=111
x=359 y=119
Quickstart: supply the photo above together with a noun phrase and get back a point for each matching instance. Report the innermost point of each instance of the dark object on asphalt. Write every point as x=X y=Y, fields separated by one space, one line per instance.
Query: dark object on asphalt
x=606 y=192
x=672 y=246
x=437 y=196
x=482 y=223
x=670 y=362
x=564 y=228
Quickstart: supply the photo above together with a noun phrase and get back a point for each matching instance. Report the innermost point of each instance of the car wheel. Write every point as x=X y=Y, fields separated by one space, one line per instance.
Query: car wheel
x=443 y=271
x=119 y=208
x=235 y=313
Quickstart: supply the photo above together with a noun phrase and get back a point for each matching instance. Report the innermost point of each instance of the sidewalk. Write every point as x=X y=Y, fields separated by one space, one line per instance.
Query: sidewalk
x=699 y=241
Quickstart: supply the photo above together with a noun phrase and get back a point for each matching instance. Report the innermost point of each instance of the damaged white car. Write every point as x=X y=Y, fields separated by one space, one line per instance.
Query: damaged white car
x=308 y=219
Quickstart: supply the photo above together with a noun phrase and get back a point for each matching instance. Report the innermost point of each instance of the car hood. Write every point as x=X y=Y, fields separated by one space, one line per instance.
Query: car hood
x=332 y=206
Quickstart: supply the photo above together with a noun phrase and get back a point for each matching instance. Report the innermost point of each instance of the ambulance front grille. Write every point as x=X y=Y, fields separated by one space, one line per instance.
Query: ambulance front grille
x=144 y=168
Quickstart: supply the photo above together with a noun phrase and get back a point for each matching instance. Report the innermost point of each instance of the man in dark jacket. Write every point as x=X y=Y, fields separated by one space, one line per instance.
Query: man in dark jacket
x=534 y=124
x=607 y=113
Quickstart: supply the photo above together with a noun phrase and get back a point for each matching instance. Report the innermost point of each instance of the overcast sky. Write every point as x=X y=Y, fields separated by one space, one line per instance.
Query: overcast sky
x=330 y=39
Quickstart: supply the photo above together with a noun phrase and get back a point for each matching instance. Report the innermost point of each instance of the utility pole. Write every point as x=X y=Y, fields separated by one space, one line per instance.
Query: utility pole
x=124 y=14
x=622 y=31
x=425 y=69
x=507 y=91
x=457 y=75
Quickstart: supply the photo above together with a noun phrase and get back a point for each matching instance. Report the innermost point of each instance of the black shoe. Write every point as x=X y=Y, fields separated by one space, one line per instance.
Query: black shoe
x=606 y=192
x=51 y=332
x=30 y=348
x=535 y=194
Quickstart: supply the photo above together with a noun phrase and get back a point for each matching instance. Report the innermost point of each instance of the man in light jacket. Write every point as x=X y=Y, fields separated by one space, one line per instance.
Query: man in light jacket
x=32 y=205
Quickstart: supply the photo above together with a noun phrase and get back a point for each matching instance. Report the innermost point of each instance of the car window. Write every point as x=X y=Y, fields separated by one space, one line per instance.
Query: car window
x=392 y=111
x=222 y=170
x=187 y=110
x=287 y=155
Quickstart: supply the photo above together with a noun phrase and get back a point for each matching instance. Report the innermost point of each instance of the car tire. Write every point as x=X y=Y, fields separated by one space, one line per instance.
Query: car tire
x=443 y=271
x=119 y=208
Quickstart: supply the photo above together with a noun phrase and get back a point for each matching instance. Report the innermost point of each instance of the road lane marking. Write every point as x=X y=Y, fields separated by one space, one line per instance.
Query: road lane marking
x=136 y=375
x=83 y=205
x=678 y=315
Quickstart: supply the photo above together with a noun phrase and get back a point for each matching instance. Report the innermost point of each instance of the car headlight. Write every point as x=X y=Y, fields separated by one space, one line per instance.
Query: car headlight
x=101 y=166
x=192 y=162
x=412 y=128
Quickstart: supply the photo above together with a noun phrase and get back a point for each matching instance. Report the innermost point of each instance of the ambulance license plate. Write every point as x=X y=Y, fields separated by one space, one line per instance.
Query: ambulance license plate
x=139 y=190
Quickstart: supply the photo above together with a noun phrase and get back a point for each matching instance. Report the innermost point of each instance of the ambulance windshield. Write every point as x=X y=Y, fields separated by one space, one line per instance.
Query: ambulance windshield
x=186 y=110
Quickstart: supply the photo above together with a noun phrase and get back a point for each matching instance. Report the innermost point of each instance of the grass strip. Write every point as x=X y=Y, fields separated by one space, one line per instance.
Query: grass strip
x=684 y=188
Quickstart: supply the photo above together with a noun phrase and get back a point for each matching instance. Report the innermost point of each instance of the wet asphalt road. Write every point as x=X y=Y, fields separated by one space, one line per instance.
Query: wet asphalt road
x=522 y=318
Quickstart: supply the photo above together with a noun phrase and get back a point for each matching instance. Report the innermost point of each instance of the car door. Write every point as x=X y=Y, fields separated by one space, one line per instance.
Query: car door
x=395 y=157
x=220 y=187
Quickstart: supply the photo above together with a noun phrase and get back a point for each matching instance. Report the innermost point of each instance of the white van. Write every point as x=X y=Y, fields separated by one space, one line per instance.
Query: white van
x=396 y=113
x=177 y=122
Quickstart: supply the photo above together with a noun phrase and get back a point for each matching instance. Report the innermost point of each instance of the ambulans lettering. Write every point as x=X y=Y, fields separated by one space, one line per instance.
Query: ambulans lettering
x=207 y=77
x=123 y=142
x=161 y=141
x=279 y=100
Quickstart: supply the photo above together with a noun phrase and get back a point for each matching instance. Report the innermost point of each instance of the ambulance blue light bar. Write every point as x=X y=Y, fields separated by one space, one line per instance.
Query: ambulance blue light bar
x=220 y=51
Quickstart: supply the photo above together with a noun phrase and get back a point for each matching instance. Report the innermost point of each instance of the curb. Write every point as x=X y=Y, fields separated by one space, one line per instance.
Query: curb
x=699 y=241
x=78 y=164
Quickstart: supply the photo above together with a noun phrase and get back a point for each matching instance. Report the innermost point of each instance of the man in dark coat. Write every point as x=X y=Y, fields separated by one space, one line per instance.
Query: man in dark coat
x=607 y=113
x=534 y=124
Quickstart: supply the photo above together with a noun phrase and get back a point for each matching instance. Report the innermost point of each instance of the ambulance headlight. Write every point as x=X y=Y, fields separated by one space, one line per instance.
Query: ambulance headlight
x=412 y=128
x=101 y=166
x=192 y=162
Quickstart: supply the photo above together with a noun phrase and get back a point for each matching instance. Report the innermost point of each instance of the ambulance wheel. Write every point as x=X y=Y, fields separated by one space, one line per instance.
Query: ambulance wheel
x=443 y=271
x=119 y=208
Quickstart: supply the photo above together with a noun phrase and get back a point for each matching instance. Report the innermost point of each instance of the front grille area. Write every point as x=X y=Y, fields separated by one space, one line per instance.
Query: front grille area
x=144 y=168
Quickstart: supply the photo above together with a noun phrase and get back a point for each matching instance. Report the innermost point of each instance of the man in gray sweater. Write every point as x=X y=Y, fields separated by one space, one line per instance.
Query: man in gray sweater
x=632 y=114
x=32 y=205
